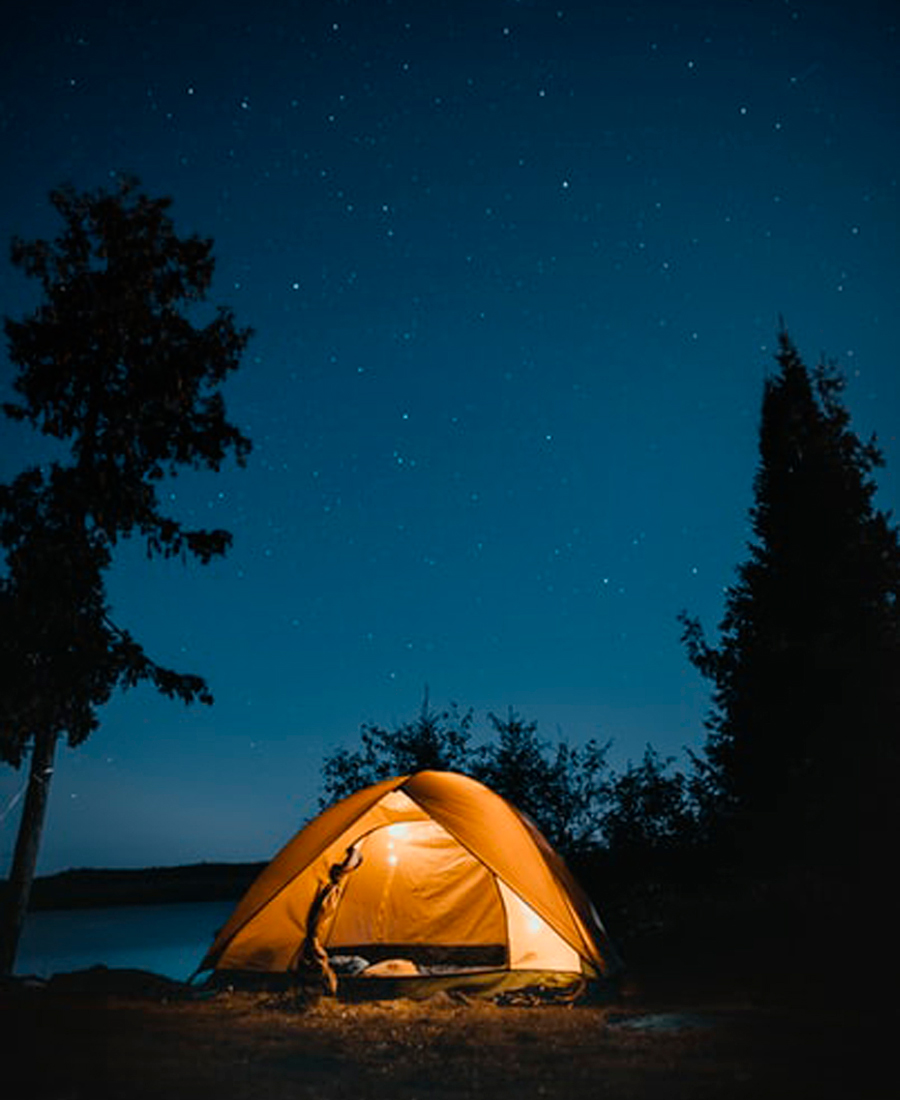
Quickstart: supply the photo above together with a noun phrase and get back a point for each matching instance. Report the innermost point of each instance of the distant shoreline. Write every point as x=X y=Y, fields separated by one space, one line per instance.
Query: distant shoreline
x=92 y=888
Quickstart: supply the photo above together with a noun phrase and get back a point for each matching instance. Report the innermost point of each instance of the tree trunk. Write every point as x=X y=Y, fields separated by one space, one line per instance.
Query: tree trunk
x=27 y=842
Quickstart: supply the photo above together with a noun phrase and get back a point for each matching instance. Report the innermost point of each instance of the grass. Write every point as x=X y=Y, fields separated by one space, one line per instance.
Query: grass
x=238 y=1046
x=727 y=998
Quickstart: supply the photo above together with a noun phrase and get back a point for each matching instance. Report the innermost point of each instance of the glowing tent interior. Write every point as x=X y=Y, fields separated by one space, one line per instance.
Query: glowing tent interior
x=424 y=879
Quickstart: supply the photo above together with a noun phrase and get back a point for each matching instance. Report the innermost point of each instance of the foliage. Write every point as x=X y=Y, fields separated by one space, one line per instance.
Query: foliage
x=62 y=655
x=433 y=741
x=805 y=699
x=650 y=808
x=561 y=788
x=568 y=792
x=110 y=364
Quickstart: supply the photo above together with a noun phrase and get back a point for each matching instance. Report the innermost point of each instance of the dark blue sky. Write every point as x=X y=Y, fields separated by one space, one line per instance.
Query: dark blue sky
x=515 y=271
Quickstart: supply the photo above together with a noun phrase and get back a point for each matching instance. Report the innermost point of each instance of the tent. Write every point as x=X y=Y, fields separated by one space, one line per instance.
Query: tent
x=430 y=879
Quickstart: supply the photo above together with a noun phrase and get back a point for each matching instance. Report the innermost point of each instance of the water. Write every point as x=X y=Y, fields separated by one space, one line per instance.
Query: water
x=165 y=939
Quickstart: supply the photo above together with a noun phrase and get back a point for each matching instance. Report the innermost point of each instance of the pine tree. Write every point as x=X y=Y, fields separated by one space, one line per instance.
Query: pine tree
x=111 y=365
x=801 y=750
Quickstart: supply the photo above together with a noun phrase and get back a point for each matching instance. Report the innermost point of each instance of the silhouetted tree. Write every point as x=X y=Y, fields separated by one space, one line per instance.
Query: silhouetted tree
x=801 y=754
x=111 y=364
x=433 y=741
x=650 y=810
x=563 y=789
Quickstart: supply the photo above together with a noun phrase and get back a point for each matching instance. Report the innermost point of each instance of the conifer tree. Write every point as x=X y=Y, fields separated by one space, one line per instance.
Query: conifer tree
x=802 y=745
x=112 y=365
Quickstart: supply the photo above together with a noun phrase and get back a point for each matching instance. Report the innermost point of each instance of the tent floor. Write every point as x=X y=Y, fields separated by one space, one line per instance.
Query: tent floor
x=498 y=984
x=522 y=986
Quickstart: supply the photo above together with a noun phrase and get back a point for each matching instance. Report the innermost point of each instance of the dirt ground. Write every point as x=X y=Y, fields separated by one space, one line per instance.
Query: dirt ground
x=66 y=1045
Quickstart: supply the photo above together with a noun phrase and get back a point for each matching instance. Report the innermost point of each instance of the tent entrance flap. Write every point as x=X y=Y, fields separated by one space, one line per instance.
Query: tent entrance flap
x=533 y=944
x=417 y=885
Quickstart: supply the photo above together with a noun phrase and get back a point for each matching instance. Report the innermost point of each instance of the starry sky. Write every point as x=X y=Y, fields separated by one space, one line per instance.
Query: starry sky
x=515 y=271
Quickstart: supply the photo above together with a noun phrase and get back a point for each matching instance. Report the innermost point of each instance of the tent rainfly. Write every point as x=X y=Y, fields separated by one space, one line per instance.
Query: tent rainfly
x=431 y=880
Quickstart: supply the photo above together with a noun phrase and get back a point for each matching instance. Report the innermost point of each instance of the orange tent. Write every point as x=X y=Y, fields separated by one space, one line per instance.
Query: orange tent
x=447 y=870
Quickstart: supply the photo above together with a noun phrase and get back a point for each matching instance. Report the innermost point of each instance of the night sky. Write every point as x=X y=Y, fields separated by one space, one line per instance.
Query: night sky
x=515 y=271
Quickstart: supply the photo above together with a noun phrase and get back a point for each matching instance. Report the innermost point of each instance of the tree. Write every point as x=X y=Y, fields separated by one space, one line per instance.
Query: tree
x=112 y=365
x=650 y=811
x=561 y=788
x=801 y=750
x=434 y=740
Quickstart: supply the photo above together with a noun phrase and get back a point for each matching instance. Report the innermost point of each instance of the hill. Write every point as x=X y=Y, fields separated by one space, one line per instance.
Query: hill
x=88 y=888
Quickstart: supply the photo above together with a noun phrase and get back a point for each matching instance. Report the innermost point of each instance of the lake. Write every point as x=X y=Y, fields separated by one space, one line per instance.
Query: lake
x=166 y=939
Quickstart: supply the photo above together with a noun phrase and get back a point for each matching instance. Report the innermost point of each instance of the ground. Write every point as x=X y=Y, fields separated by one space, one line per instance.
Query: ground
x=71 y=1044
